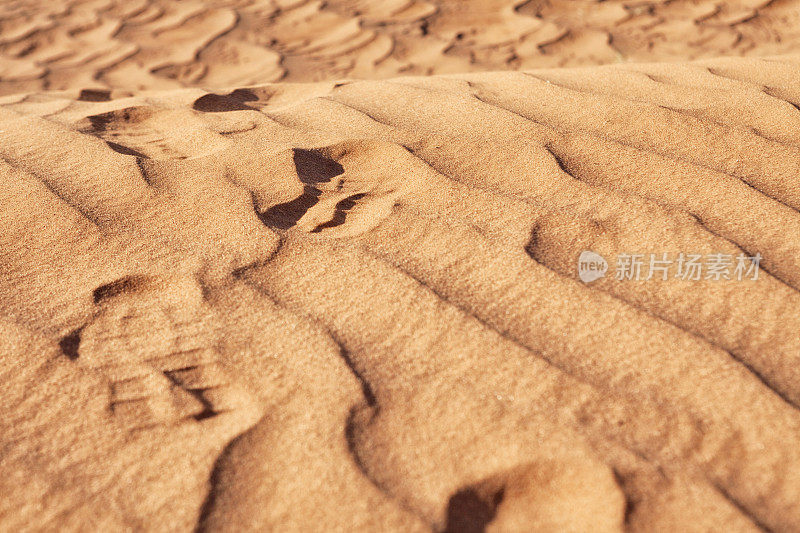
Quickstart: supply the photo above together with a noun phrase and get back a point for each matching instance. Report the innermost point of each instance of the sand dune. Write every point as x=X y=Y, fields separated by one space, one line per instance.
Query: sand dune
x=355 y=304
x=313 y=266
x=120 y=44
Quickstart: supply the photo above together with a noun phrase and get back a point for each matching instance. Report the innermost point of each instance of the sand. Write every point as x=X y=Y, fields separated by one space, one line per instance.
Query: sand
x=313 y=266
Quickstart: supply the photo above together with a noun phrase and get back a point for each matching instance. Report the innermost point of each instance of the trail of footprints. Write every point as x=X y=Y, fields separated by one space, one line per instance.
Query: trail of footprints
x=158 y=355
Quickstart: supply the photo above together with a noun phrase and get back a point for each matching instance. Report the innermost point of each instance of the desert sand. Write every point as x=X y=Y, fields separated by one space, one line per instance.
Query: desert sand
x=313 y=266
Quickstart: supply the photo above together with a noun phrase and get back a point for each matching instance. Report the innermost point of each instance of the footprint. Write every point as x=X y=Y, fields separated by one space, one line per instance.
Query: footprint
x=153 y=340
x=158 y=133
x=340 y=211
x=555 y=495
x=220 y=103
x=345 y=193
x=94 y=95
x=127 y=116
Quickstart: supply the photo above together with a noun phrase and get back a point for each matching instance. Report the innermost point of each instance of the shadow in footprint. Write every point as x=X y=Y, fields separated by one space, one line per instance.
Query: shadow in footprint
x=100 y=122
x=312 y=168
x=340 y=212
x=118 y=287
x=70 y=343
x=287 y=214
x=125 y=150
x=119 y=117
x=94 y=95
x=469 y=511
x=220 y=103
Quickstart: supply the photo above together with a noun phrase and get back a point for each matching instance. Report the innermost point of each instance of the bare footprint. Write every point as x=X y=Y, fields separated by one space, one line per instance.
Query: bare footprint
x=153 y=340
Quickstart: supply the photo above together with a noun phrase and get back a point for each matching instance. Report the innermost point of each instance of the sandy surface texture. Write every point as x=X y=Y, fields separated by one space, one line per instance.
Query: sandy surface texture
x=233 y=299
x=164 y=44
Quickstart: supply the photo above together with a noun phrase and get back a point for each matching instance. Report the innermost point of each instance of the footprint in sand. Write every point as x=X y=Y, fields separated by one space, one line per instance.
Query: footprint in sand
x=342 y=194
x=555 y=495
x=151 y=132
x=153 y=340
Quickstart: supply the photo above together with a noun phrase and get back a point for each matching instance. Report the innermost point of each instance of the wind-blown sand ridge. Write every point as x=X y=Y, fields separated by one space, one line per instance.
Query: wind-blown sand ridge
x=301 y=265
x=355 y=303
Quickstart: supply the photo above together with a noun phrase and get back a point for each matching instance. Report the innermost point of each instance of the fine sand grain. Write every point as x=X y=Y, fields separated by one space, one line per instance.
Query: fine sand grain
x=232 y=301
x=130 y=45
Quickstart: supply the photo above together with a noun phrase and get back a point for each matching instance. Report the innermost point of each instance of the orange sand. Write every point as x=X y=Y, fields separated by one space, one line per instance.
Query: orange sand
x=228 y=304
